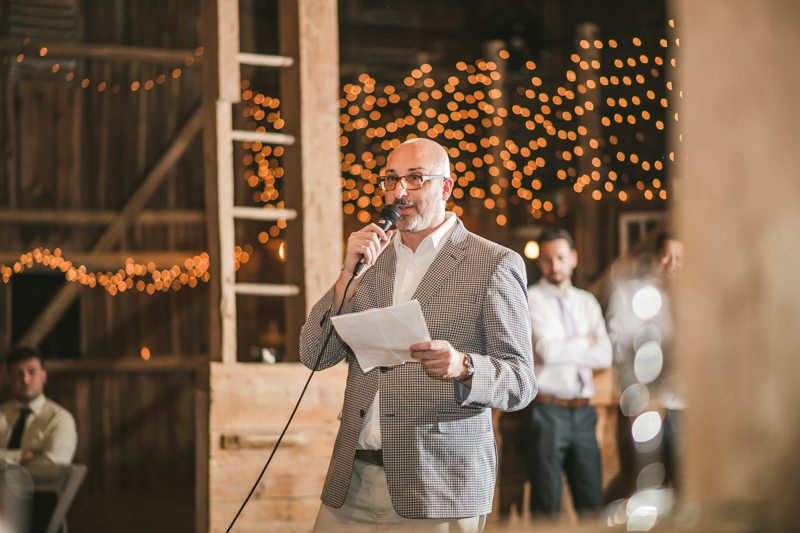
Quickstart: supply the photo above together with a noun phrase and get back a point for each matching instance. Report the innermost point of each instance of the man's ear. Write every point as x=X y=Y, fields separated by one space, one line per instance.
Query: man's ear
x=447 y=188
x=573 y=258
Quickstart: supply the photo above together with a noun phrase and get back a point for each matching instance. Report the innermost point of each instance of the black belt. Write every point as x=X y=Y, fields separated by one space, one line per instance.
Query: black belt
x=373 y=457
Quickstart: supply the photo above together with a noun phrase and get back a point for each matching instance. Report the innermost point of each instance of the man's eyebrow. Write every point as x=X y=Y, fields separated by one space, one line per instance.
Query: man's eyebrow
x=412 y=169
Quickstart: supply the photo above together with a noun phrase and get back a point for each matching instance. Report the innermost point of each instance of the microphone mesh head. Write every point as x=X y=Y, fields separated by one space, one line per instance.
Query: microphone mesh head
x=391 y=213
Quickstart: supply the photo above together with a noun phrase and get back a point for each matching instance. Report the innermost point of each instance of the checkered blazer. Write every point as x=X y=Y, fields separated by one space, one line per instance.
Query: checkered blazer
x=438 y=446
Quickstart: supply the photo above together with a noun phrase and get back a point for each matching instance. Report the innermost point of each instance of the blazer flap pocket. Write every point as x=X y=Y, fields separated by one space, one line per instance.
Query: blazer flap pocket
x=465 y=425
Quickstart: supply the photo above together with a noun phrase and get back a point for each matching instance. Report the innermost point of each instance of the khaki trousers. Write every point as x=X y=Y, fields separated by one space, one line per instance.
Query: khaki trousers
x=368 y=507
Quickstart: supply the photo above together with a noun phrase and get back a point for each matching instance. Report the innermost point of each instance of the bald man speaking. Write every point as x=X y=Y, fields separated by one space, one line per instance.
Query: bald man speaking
x=415 y=449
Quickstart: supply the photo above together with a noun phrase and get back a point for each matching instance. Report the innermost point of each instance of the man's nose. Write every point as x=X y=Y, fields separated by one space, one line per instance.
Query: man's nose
x=400 y=190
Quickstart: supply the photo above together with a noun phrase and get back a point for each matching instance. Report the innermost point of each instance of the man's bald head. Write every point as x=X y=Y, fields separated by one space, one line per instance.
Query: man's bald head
x=430 y=154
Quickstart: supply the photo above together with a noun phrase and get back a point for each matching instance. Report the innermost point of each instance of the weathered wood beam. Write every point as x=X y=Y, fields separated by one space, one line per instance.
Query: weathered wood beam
x=496 y=231
x=157 y=363
x=217 y=20
x=103 y=51
x=588 y=215
x=63 y=217
x=112 y=260
x=51 y=314
x=309 y=92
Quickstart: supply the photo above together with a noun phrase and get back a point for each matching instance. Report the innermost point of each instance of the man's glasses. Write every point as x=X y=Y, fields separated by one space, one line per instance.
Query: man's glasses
x=413 y=181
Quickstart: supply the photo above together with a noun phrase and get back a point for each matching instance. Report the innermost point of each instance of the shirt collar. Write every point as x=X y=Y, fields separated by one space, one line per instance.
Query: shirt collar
x=436 y=238
x=35 y=405
x=552 y=290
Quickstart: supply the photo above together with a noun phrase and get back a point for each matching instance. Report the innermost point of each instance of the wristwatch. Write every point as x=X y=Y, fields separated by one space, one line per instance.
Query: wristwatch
x=470 y=369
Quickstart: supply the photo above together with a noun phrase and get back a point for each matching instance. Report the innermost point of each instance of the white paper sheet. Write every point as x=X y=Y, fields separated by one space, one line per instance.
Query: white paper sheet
x=381 y=337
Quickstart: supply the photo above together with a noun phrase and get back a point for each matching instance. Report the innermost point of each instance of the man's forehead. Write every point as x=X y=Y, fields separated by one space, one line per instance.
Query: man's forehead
x=555 y=246
x=671 y=245
x=27 y=364
x=409 y=158
x=398 y=169
x=421 y=155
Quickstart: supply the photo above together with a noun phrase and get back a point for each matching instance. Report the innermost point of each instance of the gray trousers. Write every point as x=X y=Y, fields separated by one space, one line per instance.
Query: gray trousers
x=368 y=507
x=563 y=439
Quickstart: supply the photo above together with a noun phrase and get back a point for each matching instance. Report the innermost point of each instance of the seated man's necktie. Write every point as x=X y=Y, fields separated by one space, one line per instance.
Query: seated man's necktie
x=16 y=435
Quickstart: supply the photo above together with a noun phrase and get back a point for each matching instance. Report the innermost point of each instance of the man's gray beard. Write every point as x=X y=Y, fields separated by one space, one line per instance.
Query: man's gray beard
x=422 y=221
x=425 y=210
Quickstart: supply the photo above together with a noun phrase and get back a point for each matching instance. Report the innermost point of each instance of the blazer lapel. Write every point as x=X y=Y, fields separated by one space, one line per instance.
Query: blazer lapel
x=384 y=277
x=444 y=265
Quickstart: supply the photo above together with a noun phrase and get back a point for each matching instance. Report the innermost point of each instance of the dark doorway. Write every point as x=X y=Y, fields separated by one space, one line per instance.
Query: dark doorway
x=30 y=293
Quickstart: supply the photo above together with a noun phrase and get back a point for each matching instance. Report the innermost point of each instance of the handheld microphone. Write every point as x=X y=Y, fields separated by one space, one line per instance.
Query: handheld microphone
x=389 y=215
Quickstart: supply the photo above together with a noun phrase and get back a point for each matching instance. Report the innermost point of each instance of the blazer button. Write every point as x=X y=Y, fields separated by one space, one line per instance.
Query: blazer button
x=363 y=413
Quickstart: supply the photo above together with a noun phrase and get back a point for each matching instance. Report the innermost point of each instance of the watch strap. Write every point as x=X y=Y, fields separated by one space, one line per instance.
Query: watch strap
x=470 y=368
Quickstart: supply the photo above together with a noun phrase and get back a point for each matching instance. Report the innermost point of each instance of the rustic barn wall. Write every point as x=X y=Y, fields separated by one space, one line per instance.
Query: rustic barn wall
x=81 y=139
x=136 y=426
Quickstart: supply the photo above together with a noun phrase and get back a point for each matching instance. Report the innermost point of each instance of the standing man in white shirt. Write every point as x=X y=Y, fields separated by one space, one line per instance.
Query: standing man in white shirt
x=33 y=430
x=569 y=341
x=415 y=449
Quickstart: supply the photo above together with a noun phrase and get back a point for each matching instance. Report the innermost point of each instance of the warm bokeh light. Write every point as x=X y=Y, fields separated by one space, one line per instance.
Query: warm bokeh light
x=467 y=113
x=532 y=250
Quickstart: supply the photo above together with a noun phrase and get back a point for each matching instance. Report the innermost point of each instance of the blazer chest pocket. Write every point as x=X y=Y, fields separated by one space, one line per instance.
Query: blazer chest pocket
x=465 y=426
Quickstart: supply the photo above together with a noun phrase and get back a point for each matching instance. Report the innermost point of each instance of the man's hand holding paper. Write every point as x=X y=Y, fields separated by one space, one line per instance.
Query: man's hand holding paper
x=382 y=337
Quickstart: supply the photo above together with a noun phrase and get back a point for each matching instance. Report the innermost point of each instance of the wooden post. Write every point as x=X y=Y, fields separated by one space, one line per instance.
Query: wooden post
x=738 y=303
x=496 y=231
x=309 y=93
x=588 y=227
x=5 y=318
x=221 y=81
x=221 y=86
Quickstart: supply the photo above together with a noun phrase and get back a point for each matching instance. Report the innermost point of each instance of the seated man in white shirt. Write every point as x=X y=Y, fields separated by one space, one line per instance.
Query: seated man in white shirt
x=34 y=431
x=569 y=341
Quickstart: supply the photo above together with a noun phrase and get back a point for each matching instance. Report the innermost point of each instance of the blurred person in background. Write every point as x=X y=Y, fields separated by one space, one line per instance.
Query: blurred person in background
x=37 y=436
x=569 y=341
x=34 y=431
x=640 y=324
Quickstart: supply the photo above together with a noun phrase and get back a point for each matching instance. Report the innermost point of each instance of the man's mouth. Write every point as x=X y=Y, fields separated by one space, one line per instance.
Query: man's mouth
x=404 y=208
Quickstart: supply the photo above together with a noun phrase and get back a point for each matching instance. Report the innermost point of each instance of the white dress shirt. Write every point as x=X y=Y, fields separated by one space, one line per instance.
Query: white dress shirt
x=564 y=364
x=49 y=428
x=410 y=268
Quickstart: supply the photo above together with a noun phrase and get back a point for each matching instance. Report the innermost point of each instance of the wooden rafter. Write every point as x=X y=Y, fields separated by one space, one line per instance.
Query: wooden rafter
x=51 y=314
x=103 y=51
x=72 y=217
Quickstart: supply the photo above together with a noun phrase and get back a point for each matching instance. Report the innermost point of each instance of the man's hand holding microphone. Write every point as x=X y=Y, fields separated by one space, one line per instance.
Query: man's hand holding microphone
x=363 y=249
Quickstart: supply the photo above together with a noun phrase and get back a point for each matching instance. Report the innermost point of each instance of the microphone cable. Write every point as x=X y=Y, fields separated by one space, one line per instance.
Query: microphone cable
x=313 y=370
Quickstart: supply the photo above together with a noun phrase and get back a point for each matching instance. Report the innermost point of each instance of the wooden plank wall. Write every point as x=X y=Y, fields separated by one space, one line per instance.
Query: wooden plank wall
x=135 y=426
x=67 y=147
x=252 y=402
